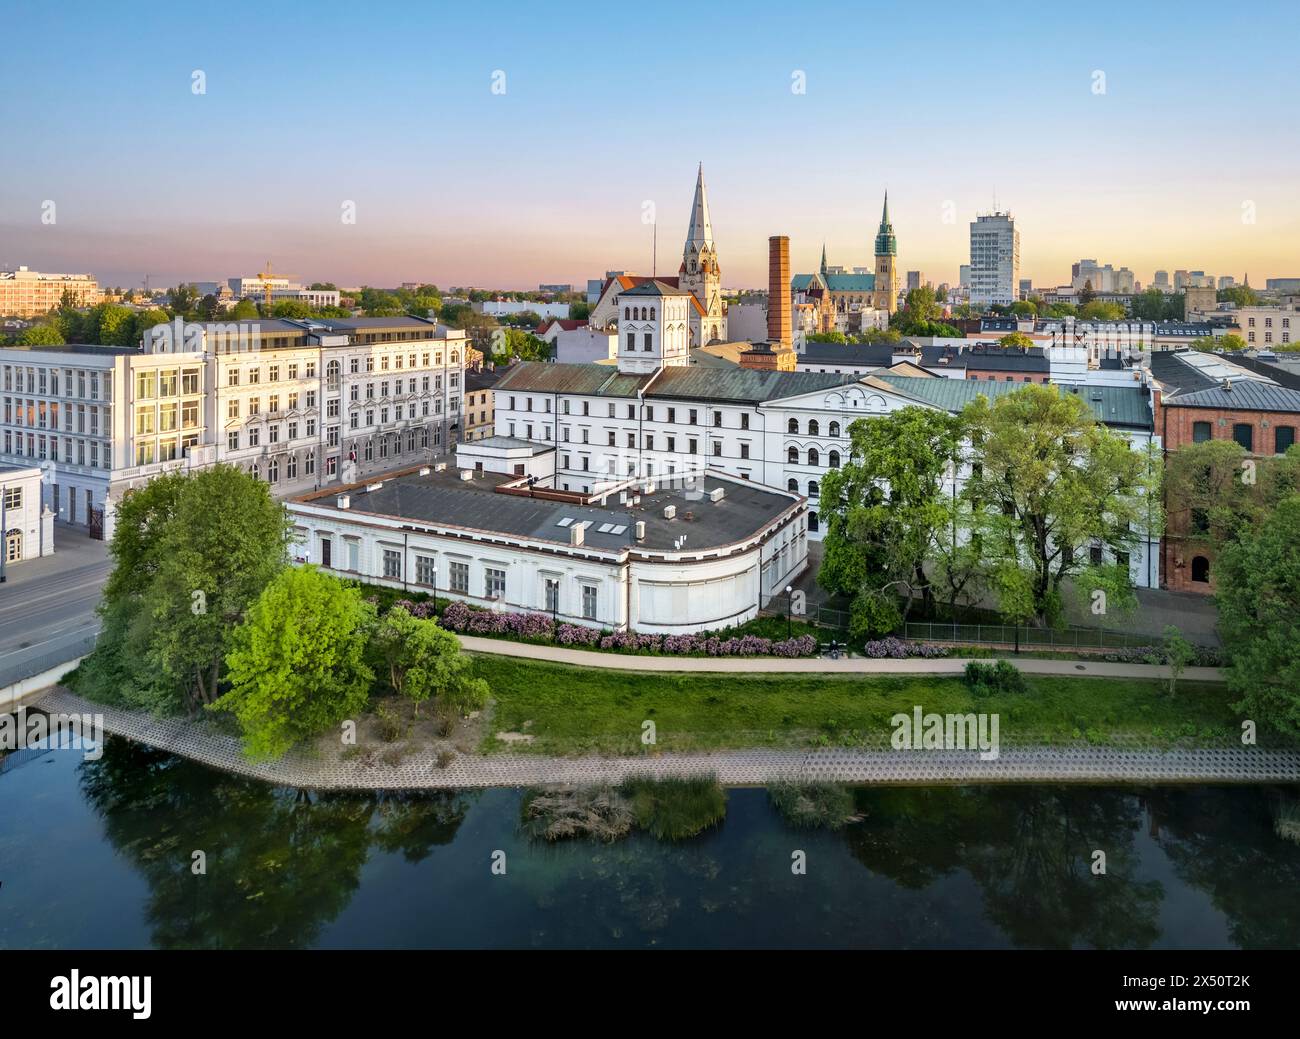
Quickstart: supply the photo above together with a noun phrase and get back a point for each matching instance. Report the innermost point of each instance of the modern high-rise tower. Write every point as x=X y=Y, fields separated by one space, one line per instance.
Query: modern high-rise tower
x=994 y=259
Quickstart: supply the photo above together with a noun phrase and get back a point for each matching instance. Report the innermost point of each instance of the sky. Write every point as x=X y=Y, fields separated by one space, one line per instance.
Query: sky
x=512 y=144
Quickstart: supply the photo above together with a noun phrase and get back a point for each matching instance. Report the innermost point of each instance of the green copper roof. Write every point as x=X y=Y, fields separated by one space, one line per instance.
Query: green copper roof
x=886 y=243
x=1124 y=406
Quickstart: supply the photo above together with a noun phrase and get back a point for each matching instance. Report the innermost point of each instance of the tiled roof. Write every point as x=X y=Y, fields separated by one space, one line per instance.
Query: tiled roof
x=878 y=354
x=1123 y=406
x=1245 y=395
x=704 y=383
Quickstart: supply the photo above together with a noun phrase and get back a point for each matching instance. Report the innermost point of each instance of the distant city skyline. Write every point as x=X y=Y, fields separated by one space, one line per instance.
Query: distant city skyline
x=547 y=182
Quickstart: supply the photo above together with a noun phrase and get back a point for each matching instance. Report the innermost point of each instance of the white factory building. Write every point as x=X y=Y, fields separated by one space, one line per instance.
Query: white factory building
x=670 y=557
x=26 y=525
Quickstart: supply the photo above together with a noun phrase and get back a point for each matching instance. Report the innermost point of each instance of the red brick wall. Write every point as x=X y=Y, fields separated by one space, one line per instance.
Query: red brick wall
x=1176 y=426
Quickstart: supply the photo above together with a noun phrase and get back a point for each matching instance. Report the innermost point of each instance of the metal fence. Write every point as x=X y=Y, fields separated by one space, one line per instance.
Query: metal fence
x=1068 y=638
x=25 y=668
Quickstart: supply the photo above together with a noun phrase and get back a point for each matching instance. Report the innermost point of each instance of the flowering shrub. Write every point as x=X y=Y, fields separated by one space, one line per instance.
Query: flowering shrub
x=422 y=610
x=1203 y=656
x=899 y=649
x=459 y=617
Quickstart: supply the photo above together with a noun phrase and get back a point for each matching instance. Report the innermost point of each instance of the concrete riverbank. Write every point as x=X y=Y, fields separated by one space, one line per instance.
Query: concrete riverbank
x=421 y=770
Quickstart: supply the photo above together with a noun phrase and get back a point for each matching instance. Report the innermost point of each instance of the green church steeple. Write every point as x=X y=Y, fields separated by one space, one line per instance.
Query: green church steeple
x=886 y=244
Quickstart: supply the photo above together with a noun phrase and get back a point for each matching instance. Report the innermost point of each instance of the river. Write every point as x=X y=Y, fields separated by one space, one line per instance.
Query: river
x=101 y=854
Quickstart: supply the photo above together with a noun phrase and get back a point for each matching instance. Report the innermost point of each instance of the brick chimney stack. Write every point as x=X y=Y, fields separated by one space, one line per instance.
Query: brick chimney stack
x=778 y=290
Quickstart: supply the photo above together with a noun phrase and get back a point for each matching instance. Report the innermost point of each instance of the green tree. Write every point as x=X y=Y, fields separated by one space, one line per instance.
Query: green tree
x=296 y=661
x=1086 y=294
x=1053 y=480
x=1024 y=308
x=227 y=539
x=424 y=660
x=884 y=509
x=292 y=308
x=183 y=298
x=244 y=310
x=1241 y=295
x=41 y=335
x=1097 y=310
x=1016 y=341
x=1179 y=653
x=1258 y=595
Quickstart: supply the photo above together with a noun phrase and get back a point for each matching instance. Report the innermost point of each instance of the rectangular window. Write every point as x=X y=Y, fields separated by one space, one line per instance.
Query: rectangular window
x=1283 y=438
x=494 y=583
x=393 y=564
x=588 y=602
x=552 y=595
x=1244 y=434
x=425 y=568
x=1200 y=432
x=460 y=578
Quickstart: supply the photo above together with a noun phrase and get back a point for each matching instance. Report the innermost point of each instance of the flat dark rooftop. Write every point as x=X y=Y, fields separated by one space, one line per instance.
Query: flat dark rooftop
x=444 y=499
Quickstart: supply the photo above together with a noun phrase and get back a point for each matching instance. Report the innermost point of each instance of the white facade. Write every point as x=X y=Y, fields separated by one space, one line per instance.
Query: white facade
x=26 y=523
x=558 y=572
x=994 y=259
x=298 y=404
x=584 y=345
x=501 y=308
x=653 y=327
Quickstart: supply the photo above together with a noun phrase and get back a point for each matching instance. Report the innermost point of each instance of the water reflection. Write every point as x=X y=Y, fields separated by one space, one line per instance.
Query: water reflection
x=921 y=867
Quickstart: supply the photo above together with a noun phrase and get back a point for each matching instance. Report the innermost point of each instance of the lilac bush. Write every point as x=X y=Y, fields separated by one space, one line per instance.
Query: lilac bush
x=469 y=620
x=899 y=649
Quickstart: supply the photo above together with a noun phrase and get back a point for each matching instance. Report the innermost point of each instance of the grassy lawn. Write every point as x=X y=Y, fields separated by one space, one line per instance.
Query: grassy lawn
x=572 y=710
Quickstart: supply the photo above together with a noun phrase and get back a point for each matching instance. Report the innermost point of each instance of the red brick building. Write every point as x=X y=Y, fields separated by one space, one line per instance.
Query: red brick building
x=1204 y=396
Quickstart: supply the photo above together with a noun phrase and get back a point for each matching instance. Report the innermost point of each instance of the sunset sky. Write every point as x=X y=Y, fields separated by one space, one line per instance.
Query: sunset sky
x=391 y=107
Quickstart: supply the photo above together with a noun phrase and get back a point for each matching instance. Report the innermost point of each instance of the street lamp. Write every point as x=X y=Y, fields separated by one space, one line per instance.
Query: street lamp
x=789 y=602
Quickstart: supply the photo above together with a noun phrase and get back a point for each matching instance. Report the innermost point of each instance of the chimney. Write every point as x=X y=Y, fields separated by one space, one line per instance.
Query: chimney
x=577 y=534
x=778 y=290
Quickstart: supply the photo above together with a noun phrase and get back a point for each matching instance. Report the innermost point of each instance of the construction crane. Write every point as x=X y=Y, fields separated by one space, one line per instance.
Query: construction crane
x=266 y=278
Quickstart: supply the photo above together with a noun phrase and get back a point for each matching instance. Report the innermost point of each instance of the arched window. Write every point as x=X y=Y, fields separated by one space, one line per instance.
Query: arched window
x=793 y=455
x=813 y=489
x=812 y=523
x=332 y=375
x=813 y=428
x=1201 y=570
x=652 y=313
x=813 y=457
x=835 y=429
x=627 y=313
x=455 y=357
x=834 y=460
x=793 y=426
x=793 y=486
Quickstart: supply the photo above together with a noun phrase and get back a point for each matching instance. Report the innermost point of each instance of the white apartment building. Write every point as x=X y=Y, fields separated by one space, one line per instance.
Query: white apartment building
x=26 y=524
x=655 y=417
x=672 y=557
x=300 y=404
x=994 y=259
x=503 y=308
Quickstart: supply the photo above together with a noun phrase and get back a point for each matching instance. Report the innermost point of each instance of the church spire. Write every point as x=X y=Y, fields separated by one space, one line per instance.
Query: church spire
x=823 y=266
x=700 y=232
x=886 y=244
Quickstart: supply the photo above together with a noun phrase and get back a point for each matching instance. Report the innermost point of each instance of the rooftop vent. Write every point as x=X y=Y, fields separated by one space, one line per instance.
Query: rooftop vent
x=717 y=494
x=371 y=487
x=344 y=501
x=670 y=512
x=640 y=530
x=440 y=467
x=467 y=474
x=688 y=516
x=424 y=470
x=577 y=534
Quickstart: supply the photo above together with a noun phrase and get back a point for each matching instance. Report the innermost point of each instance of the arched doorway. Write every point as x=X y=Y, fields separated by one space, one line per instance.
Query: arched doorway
x=1201 y=570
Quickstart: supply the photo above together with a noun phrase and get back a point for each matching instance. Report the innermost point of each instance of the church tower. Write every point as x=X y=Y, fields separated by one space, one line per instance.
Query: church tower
x=885 y=295
x=700 y=274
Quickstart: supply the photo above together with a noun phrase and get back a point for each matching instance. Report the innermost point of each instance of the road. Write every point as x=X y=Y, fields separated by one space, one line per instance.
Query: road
x=47 y=606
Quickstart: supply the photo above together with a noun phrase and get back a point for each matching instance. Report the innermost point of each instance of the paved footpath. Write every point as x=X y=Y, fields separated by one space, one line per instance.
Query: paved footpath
x=822 y=665
x=733 y=767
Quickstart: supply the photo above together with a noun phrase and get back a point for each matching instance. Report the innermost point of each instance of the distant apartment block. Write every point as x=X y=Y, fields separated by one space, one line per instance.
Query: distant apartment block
x=994 y=259
x=26 y=293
